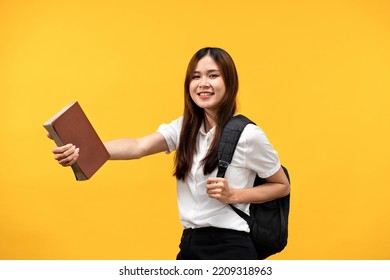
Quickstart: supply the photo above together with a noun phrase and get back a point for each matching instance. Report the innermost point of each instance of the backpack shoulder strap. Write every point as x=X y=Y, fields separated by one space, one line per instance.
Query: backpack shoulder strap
x=226 y=147
x=230 y=135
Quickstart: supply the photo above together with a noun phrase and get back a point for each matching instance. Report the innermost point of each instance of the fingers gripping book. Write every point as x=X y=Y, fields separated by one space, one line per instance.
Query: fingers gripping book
x=71 y=125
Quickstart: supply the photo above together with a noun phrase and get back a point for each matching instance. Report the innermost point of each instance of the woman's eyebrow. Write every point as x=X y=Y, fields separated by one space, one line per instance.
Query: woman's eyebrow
x=208 y=71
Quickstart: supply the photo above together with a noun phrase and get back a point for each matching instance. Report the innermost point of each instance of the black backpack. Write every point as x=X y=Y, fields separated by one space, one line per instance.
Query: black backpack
x=268 y=222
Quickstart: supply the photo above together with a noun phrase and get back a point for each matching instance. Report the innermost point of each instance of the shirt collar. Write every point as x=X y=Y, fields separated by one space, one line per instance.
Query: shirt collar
x=203 y=132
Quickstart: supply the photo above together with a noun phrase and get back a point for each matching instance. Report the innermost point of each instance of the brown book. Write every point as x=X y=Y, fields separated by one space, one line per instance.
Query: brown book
x=71 y=125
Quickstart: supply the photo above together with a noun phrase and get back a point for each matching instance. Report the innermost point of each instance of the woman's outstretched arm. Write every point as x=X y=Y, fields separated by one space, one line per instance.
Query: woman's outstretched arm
x=119 y=149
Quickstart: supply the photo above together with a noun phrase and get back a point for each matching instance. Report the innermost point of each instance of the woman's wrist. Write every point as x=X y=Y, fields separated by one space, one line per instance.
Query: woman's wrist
x=235 y=196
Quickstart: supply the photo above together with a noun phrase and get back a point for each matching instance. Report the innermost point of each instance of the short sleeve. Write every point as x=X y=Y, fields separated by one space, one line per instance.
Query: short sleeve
x=260 y=156
x=171 y=133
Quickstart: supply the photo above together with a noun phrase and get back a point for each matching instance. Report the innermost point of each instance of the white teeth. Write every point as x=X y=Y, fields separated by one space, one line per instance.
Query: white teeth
x=205 y=94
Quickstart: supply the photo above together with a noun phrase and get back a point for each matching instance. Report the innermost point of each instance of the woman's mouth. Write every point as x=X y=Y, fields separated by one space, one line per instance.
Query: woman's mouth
x=205 y=93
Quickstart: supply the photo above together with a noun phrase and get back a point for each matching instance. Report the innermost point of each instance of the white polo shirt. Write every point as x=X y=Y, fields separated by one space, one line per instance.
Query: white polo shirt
x=253 y=154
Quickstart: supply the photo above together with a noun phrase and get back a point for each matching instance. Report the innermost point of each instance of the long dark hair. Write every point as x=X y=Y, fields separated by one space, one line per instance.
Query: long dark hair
x=193 y=116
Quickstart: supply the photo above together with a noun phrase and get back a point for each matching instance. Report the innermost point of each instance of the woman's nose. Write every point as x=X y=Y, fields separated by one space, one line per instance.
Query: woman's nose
x=204 y=82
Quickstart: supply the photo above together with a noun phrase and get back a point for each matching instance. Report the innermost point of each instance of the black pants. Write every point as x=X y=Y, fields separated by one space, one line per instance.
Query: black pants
x=212 y=243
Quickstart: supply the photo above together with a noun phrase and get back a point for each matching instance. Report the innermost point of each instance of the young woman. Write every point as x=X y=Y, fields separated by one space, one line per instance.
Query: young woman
x=212 y=230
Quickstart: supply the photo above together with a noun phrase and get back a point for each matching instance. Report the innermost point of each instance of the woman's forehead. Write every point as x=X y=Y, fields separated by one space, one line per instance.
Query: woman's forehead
x=206 y=63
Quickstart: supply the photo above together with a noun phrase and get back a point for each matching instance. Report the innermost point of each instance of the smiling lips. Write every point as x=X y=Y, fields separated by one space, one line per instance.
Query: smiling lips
x=205 y=94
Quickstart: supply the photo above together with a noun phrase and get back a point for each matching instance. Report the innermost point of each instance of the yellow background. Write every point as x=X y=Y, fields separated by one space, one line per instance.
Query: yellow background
x=315 y=75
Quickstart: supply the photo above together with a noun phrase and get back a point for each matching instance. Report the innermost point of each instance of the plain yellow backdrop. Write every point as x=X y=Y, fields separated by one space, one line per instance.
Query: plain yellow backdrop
x=315 y=75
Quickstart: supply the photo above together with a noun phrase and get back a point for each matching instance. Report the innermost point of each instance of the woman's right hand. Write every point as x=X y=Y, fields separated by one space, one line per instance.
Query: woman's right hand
x=66 y=155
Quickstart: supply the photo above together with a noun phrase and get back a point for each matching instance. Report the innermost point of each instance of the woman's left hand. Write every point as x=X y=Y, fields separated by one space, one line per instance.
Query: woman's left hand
x=218 y=188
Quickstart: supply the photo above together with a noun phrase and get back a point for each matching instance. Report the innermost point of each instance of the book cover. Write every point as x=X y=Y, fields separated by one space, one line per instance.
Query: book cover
x=71 y=125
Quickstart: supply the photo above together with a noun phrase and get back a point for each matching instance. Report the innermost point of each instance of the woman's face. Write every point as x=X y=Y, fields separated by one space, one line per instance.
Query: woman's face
x=207 y=87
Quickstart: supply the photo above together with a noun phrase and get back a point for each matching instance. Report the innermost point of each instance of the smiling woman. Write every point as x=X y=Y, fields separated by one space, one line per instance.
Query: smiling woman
x=207 y=88
x=226 y=85
x=212 y=230
x=313 y=74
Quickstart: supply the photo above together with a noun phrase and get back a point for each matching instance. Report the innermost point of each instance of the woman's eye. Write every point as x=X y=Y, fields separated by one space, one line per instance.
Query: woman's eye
x=195 y=77
x=213 y=76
